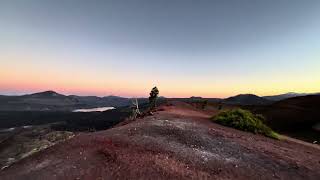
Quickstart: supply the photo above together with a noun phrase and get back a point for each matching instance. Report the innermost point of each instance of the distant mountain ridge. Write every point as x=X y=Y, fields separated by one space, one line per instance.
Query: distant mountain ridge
x=45 y=94
x=247 y=99
x=112 y=101
x=252 y=99
x=287 y=95
x=53 y=101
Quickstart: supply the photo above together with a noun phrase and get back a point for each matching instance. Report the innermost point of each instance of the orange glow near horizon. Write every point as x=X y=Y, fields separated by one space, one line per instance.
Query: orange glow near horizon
x=32 y=77
x=29 y=82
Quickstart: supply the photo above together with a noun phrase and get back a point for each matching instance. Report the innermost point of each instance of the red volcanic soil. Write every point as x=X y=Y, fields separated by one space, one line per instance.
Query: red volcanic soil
x=177 y=142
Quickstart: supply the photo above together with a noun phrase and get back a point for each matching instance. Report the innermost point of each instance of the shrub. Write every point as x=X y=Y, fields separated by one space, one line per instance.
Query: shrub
x=246 y=121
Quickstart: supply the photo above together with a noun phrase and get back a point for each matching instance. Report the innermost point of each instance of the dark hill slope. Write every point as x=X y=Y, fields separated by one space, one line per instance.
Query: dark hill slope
x=247 y=99
x=52 y=101
x=287 y=95
x=45 y=94
x=48 y=100
x=311 y=102
x=293 y=114
x=94 y=101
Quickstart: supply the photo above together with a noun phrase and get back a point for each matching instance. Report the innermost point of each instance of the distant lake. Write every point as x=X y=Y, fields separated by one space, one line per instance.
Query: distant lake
x=99 y=109
x=13 y=128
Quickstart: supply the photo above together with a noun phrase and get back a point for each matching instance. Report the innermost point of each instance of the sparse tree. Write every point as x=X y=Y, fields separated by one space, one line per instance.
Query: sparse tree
x=135 y=109
x=153 y=97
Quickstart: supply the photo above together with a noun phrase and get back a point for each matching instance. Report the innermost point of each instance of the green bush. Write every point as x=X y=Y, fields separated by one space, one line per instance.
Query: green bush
x=246 y=121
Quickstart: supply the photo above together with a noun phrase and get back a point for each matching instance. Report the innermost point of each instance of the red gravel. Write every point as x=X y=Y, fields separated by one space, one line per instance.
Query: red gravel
x=178 y=142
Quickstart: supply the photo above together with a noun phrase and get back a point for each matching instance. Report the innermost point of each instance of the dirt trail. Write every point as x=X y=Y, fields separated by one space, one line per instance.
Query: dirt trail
x=177 y=142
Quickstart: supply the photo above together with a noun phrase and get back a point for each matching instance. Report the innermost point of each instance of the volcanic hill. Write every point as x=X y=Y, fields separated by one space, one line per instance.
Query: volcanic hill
x=177 y=142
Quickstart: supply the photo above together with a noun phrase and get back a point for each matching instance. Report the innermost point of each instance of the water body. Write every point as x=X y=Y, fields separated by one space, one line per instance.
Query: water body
x=7 y=130
x=99 y=109
x=14 y=128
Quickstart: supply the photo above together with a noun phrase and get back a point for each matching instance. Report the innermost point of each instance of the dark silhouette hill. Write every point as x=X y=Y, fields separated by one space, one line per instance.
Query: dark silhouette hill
x=112 y=101
x=43 y=101
x=45 y=94
x=247 y=99
x=53 y=101
x=293 y=113
x=287 y=95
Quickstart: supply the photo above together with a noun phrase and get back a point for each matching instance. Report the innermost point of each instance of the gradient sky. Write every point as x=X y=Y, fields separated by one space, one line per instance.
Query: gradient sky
x=209 y=48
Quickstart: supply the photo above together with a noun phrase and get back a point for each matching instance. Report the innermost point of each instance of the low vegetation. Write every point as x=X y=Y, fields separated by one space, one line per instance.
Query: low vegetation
x=246 y=121
x=153 y=98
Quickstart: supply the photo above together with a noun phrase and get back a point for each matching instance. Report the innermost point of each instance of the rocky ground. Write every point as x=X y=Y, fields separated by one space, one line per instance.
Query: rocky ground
x=21 y=142
x=177 y=142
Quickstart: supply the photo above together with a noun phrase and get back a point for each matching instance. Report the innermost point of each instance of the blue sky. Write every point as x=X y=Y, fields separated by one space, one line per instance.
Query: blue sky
x=186 y=47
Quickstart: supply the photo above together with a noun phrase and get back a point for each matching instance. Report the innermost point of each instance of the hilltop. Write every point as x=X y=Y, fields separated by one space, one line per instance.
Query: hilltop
x=178 y=141
x=247 y=99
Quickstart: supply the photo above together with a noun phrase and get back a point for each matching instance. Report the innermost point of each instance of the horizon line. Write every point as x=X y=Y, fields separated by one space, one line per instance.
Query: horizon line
x=75 y=94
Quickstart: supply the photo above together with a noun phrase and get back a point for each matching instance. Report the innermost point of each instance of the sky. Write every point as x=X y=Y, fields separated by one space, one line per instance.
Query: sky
x=208 y=48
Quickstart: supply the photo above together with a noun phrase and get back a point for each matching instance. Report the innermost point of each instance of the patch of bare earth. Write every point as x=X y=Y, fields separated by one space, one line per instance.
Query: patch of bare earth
x=178 y=142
